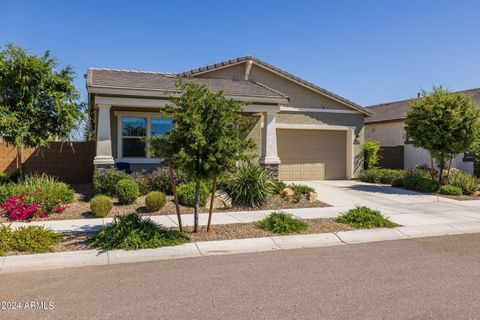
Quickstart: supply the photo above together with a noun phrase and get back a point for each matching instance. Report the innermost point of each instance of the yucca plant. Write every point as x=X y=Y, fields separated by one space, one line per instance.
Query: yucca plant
x=249 y=186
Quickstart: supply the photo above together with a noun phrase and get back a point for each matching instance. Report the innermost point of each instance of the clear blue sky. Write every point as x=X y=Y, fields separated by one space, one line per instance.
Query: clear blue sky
x=367 y=51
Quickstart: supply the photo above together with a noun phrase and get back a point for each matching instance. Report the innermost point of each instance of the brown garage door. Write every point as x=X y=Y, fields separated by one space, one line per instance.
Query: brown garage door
x=311 y=154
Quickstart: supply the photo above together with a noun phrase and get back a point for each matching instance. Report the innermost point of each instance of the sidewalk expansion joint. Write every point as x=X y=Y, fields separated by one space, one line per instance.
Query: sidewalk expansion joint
x=198 y=249
x=336 y=235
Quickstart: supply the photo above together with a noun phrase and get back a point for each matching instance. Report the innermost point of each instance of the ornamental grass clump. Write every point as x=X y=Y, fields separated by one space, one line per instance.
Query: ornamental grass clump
x=31 y=239
x=282 y=222
x=249 y=186
x=364 y=217
x=463 y=180
x=131 y=232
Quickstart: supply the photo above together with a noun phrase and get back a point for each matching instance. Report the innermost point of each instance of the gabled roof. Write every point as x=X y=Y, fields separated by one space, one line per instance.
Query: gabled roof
x=161 y=81
x=284 y=73
x=397 y=110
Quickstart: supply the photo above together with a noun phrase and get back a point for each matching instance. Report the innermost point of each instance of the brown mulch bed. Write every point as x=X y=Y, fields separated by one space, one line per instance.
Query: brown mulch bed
x=80 y=209
x=78 y=241
x=249 y=230
x=475 y=196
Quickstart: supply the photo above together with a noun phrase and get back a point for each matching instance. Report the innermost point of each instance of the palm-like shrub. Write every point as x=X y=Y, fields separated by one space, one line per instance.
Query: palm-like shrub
x=127 y=191
x=249 y=186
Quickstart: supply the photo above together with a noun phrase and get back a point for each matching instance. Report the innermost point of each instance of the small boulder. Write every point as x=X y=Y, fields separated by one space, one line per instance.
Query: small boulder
x=287 y=192
x=220 y=201
x=312 y=197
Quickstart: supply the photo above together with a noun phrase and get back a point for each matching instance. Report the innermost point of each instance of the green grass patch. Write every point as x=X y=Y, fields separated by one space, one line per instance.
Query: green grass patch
x=132 y=232
x=281 y=222
x=364 y=217
x=31 y=239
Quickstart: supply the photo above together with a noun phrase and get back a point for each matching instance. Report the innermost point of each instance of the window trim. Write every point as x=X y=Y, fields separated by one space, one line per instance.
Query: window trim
x=142 y=160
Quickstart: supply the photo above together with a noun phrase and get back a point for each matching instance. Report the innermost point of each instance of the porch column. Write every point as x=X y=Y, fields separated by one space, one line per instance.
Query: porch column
x=269 y=158
x=103 y=155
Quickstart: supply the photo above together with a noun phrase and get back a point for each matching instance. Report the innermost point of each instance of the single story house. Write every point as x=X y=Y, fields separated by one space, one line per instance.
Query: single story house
x=387 y=126
x=303 y=131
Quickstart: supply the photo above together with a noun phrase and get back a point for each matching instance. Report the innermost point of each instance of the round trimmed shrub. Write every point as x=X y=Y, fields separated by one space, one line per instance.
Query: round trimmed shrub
x=450 y=190
x=155 y=200
x=427 y=185
x=127 y=191
x=101 y=206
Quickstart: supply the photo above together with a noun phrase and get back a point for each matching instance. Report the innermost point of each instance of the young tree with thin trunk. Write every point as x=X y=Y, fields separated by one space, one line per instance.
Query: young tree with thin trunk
x=38 y=103
x=206 y=138
x=445 y=124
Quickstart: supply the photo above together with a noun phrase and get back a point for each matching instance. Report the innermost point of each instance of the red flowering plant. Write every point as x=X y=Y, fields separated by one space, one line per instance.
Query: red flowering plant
x=37 y=197
x=18 y=209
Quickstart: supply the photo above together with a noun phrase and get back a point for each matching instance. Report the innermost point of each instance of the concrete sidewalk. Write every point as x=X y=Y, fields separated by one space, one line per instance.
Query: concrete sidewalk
x=71 y=259
x=90 y=225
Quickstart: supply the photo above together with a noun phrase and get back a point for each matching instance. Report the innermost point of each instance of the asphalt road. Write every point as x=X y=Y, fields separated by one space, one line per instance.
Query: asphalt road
x=430 y=278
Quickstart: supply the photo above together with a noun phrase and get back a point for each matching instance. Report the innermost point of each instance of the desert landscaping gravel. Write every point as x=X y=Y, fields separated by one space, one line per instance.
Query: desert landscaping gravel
x=79 y=241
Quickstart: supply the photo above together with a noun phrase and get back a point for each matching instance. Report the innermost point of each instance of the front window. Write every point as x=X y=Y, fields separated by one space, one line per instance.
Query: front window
x=136 y=130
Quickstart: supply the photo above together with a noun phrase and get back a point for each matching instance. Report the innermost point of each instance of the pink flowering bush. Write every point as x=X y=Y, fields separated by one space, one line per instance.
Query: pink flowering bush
x=37 y=197
x=17 y=209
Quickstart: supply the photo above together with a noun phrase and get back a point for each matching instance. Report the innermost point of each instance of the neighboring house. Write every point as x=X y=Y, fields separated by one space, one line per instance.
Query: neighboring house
x=303 y=132
x=387 y=126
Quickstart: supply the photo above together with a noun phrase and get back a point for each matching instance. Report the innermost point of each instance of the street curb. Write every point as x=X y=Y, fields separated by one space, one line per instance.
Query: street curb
x=71 y=259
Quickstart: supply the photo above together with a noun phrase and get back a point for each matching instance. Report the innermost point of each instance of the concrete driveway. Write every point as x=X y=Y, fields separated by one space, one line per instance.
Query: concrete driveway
x=402 y=206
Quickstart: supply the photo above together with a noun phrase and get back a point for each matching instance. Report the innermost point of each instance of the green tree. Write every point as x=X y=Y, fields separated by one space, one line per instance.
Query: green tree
x=445 y=124
x=370 y=154
x=37 y=102
x=206 y=140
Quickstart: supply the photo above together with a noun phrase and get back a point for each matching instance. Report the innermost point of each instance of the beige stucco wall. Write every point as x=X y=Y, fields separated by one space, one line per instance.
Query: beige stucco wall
x=387 y=133
x=300 y=96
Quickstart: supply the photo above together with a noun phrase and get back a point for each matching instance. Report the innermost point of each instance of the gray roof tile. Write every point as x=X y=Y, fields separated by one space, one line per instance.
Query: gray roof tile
x=129 y=79
x=398 y=110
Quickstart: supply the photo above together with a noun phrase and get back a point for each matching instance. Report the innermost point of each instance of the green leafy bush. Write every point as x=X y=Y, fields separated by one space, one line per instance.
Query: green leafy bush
x=281 y=222
x=370 y=154
x=249 y=186
x=186 y=193
x=278 y=186
x=464 y=181
x=127 y=191
x=300 y=189
x=5 y=177
x=377 y=175
x=32 y=239
x=155 y=200
x=364 y=217
x=397 y=182
x=427 y=185
x=131 y=232
x=419 y=180
x=43 y=190
x=450 y=190
x=105 y=180
x=157 y=180
x=101 y=205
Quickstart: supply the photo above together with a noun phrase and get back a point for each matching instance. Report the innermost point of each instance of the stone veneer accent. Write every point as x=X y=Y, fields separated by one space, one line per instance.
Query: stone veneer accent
x=273 y=170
